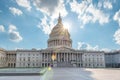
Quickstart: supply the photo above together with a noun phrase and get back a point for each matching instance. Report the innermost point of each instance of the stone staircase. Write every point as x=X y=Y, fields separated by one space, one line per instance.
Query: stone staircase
x=64 y=64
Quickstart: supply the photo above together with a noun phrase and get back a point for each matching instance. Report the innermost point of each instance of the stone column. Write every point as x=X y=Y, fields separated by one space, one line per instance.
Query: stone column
x=43 y=59
x=72 y=56
x=63 y=42
x=64 y=57
x=51 y=57
x=76 y=56
x=60 y=57
x=47 y=56
x=56 y=42
x=47 y=59
x=57 y=57
x=67 y=57
x=53 y=42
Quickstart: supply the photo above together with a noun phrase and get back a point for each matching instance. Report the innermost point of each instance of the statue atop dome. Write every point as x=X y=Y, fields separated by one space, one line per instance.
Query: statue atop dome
x=59 y=19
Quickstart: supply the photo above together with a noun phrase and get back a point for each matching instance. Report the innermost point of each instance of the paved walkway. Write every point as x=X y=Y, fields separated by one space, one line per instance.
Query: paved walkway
x=71 y=74
x=82 y=74
x=67 y=74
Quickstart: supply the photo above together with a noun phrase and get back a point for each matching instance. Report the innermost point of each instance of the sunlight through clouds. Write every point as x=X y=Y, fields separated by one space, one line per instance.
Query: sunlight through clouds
x=67 y=25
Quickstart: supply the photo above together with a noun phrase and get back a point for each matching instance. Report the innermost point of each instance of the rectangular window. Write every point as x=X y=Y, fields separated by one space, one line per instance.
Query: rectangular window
x=24 y=59
x=28 y=58
x=20 y=58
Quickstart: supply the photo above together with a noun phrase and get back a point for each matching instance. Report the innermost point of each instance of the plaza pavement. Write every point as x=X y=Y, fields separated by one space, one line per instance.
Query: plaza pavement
x=82 y=74
x=71 y=74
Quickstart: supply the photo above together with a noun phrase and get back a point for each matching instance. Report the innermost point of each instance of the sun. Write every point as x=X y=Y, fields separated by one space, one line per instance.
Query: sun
x=67 y=25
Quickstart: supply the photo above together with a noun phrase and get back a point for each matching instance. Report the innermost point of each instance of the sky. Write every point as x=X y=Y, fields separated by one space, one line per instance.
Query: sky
x=92 y=24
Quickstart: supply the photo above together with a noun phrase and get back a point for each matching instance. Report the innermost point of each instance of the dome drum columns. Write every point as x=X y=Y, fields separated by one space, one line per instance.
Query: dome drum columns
x=56 y=43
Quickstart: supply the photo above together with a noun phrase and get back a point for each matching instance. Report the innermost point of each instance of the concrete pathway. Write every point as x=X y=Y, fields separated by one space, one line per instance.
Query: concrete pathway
x=82 y=74
x=71 y=74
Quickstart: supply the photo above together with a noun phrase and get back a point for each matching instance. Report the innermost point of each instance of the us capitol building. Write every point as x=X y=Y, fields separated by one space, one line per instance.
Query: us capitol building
x=59 y=54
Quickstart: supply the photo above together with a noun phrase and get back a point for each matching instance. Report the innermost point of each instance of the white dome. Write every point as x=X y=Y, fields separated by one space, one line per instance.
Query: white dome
x=59 y=36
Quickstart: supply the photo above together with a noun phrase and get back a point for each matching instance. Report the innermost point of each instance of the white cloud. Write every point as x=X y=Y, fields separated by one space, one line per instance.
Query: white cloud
x=86 y=46
x=24 y=3
x=2 y=29
x=12 y=28
x=0 y=11
x=117 y=36
x=14 y=34
x=46 y=25
x=117 y=17
x=51 y=10
x=107 y=5
x=87 y=12
x=100 y=4
x=51 y=7
x=106 y=49
x=97 y=15
x=79 y=8
x=15 y=11
x=117 y=33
